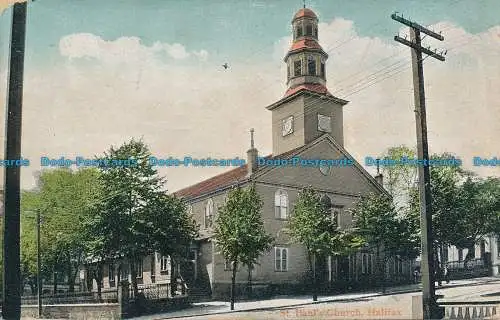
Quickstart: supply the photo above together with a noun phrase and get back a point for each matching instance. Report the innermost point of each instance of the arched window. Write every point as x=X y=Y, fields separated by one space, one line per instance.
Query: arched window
x=311 y=66
x=281 y=204
x=316 y=32
x=297 y=68
x=299 y=31
x=288 y=71
x=326 y=202
x=209 y=213
x=322 y=70
x=309 y=30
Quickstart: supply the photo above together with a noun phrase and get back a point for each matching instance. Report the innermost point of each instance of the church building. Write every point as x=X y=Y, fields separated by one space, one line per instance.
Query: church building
x=307 y=123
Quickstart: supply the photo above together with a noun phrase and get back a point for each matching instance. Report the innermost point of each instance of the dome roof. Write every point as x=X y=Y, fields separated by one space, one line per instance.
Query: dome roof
x=305 y=12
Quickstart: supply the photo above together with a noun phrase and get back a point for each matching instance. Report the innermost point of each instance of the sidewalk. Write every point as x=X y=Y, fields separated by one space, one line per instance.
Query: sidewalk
x=221 y=307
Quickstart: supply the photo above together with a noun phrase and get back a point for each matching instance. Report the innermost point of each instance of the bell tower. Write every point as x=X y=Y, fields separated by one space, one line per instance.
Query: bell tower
x=308 y=110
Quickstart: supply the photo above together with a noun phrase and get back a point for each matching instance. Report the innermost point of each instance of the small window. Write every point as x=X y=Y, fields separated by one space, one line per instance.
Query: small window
x=316 y=32
x=288 y=71
x=311 y=66
x=153 y=267
x=139 y=268
x=111 y=275
x=297 y=68
x=228 y=265
x=164 y=264
x=336 y=216
x=461 y=255
x=209 y=213
x=322 y=71
x=309 y=30
x=281 y=259
x=281 y=204
x=299 y=31
x=123 y=274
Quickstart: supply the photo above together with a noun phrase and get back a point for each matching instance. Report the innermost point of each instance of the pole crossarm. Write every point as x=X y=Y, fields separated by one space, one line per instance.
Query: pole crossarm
x=417 y=26
x=419 y=48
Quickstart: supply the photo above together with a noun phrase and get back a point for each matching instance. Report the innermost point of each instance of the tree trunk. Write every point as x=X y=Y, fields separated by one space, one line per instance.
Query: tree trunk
x=250 y=293
x=315 y=285
x=233 y=282
x=33 y=286
x=381 y=270
x=133 y=274
x=99 y=281
x=54 y=276
x=71 y=279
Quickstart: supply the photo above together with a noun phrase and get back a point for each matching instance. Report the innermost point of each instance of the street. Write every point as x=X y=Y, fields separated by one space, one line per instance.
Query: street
x=348 y=306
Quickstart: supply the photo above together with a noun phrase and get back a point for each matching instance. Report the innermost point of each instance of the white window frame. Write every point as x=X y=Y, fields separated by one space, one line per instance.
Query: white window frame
x=209 y=214
x=111 y=274
x=164 y=263
x=281 y=205
x=283 y=262
x=336 y=211
x=323 y=118
x=139 y=268
x=228 y=265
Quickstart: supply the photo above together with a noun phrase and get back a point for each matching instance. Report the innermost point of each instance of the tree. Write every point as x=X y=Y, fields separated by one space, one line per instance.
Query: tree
x=399 y=178
x=136 y=217
x=464 y=207
x=378 y=223
x=311 y=225
x=239 y=231
x=64 y=198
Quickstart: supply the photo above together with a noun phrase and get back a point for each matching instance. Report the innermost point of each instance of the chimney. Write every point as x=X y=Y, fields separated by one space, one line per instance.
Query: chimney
x=379 y=177
x=252 y=155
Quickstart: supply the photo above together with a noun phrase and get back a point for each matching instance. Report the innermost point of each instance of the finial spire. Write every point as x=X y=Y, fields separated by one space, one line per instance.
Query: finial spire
x=251 y=138
x=304 y=3
x=378 y=166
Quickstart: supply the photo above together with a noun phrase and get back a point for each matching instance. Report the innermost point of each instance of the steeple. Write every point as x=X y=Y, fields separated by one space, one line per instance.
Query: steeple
x=306 y=58
x=252 y=155
x=308 y=110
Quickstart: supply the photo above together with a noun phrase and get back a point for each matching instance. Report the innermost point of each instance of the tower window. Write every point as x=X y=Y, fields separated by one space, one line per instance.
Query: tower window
x=322 y=70
x=309 y=30
x=299 y=31
x=297 y=68
x=288 y=71
x=311 y=66
x=316 y=32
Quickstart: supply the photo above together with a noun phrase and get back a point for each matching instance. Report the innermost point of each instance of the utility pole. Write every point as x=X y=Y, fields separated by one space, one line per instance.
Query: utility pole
x=431 y=309
x=11 y=308
x=39 y=263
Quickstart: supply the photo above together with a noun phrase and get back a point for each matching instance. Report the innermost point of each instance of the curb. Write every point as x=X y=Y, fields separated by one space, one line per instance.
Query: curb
x=379 y=294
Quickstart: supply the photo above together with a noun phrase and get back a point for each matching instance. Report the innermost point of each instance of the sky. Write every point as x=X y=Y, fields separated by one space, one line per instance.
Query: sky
x=99 y=73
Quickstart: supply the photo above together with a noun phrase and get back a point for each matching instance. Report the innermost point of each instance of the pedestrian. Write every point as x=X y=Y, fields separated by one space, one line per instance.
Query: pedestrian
x=446 y=274
x=416 y=274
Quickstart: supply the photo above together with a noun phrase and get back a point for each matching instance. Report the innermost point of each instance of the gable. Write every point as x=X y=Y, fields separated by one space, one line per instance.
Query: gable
x=347 y=179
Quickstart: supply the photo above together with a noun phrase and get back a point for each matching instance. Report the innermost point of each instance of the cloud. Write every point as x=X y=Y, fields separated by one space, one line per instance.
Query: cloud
x=202 y=110
x=122 y=50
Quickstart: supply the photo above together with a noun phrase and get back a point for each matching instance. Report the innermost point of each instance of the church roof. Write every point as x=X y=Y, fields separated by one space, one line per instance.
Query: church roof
x=305 y=44
x=314 y=87
x=223 y=180
x=305 y=12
